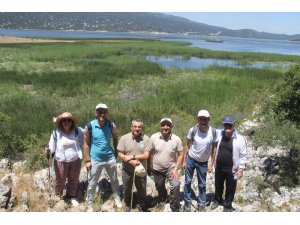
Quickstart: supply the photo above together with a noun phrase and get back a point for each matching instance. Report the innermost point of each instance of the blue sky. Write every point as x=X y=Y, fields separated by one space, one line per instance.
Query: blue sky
x=279 y=23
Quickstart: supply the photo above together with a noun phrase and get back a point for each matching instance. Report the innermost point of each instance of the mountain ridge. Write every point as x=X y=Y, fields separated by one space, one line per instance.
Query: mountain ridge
x=125 y=22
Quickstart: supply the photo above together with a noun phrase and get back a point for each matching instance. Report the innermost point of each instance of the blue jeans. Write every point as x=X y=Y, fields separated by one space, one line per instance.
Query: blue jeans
x=201 y=168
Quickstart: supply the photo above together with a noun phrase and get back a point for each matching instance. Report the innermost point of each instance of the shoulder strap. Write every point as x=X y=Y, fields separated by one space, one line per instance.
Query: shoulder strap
x=110 y=124
x=194 y=132
x=214 y=134
x=54 y=136
x=76 y=131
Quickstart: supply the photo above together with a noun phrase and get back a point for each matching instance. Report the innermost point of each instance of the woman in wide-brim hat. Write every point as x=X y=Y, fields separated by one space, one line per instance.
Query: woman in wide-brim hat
x=65 y=146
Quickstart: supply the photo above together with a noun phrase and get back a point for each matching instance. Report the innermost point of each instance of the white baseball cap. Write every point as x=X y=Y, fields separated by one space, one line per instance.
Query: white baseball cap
x=203 y=113
x=166 y=119
x=101 y=106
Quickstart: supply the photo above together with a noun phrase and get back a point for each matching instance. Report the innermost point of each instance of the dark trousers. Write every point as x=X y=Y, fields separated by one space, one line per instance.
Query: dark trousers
x=220 y=177
x=160 y=179
x=64 y=171
x=140 y=184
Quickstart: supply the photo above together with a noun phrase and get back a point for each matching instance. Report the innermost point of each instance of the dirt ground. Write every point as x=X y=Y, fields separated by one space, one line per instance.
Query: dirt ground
x=8 y=39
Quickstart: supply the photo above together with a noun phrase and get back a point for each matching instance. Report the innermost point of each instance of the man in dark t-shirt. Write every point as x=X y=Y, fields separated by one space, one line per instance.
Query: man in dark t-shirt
x=230 y=163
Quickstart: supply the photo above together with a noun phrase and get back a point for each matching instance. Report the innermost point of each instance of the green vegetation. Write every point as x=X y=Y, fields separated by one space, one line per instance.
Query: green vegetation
x=281 y=127
x=39 y=81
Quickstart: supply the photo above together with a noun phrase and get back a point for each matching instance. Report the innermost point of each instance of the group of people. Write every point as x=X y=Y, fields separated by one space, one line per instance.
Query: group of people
x=162 y=155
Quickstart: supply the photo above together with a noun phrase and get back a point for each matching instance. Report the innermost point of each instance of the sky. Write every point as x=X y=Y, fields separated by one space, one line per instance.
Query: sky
x=278 y=23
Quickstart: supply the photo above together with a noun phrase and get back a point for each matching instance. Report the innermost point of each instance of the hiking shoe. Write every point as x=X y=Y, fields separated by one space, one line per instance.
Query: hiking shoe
x=90 y=208
x=187 y=207
x=215 y=205
x=175 y=209
x=142 y=208
x=118 y=202
x=201 y=207
x=74 y=202
x=127 y=209
x=228 y=209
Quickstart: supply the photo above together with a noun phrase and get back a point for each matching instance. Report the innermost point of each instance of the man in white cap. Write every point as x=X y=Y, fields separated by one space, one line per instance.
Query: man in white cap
x=166 y=155
x=201 y=145
x=99 y=153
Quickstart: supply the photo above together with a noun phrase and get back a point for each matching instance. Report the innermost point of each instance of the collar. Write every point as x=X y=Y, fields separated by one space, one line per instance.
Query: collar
x=161 y=137
x=138 y=138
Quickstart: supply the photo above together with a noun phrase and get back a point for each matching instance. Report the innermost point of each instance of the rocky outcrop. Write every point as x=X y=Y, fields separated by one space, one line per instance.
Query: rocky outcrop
x=254 y=192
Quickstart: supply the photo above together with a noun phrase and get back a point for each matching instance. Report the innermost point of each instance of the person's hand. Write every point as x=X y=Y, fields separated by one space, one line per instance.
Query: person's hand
x=134 y=162
x=127 y=158
x=47 y=152
x=174 y=174
x=88 y=166
x=184 y=164
x=210 y=167
x=239 y=173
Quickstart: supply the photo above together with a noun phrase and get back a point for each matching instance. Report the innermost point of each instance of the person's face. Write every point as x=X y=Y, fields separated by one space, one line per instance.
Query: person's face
x=228 y=128
x=203 y=122
x=136 y=128
x=165 y=128
x=101 y=114
x=66 y=124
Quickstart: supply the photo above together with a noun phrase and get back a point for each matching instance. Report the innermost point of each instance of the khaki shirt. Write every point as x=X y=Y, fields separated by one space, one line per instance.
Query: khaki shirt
x=164 y=151
x=132 y=146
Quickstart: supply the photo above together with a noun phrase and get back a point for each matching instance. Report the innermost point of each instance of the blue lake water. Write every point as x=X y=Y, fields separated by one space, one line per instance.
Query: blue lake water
x=199 y=63
x=229 y=43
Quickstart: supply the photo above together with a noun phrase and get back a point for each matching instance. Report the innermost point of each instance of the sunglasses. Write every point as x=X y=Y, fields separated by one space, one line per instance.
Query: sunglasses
x=100 y=112
x=164 y=124
x=66 y=120
x=228 y=125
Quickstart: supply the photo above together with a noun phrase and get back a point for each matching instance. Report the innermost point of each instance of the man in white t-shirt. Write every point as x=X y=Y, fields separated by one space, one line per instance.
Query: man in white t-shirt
x=201 y=144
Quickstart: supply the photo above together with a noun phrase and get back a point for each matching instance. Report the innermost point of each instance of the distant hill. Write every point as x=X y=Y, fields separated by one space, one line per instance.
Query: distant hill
x=125 y=22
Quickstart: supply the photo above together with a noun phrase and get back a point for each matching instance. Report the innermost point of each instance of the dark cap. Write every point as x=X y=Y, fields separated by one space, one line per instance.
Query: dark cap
x=228 y=119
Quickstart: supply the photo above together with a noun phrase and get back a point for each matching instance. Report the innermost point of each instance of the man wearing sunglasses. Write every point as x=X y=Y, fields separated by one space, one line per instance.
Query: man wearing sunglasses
x=229 y=164
x=166 y=154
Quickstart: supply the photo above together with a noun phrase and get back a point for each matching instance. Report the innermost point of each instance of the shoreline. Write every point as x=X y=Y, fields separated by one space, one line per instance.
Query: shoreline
x=12 y=39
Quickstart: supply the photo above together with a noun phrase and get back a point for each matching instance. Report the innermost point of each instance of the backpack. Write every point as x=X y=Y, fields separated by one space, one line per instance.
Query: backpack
x=213 y=130
x=90 y=127
x=54 y=134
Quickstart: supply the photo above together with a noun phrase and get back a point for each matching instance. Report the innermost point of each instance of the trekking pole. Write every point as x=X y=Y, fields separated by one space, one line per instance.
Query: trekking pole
x=49 y=178
x=87 y=183
x=132 y=189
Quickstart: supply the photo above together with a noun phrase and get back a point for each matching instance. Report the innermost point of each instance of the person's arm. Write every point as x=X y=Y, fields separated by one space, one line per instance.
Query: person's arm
x=174 y=173
x=114 y=134
x=242 y=157
x=86 y=149
x=212 y=159
x=134 y=161
x=185 y=152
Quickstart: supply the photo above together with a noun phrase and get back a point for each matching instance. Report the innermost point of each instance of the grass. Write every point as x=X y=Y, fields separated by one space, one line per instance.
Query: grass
x=39 y=81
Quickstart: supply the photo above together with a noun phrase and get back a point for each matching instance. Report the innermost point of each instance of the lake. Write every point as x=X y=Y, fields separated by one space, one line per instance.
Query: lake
x=199 y=63
x=228 y=44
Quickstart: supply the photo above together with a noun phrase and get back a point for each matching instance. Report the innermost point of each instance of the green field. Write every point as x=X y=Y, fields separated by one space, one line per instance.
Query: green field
x=39 y=81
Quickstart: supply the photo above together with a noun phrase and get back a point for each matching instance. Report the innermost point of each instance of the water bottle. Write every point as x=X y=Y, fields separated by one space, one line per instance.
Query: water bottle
x=235 y=177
